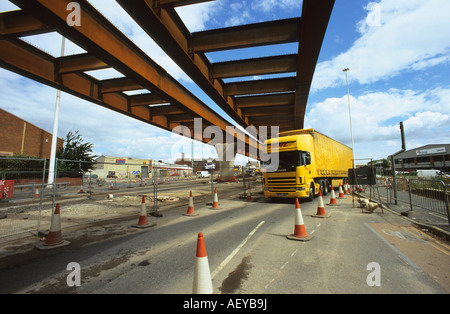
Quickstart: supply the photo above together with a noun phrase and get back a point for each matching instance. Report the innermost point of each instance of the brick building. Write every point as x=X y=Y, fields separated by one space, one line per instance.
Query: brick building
x=21 y=137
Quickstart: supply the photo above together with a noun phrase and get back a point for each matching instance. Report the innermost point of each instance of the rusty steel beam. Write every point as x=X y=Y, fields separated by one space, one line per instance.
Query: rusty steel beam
x=165 y=110
x=269 y=100
x=119 y=85
x=257 y=66
x=177 y=3
x=272 y=119
x=181 y=118
x=80 y=63
x=244 y=36
x=26 y=60
x=100 y=38
x=316 y=15
x=165 y=27
x=145 y=100
x=17 y=24
x=278 y=85
x=268 y=111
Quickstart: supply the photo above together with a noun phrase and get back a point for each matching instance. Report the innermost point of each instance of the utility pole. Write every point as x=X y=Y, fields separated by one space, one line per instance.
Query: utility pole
x=51 y=169
x=350 y=119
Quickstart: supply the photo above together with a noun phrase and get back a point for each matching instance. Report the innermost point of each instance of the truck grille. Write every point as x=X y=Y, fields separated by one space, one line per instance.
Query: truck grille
x=281 y=181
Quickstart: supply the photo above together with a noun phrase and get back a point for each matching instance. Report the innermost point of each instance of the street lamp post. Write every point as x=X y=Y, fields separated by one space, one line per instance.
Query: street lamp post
x=54 y=144
x=350 y=119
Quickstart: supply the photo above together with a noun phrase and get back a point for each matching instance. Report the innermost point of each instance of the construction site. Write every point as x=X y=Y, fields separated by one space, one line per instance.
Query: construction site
x=284 y=199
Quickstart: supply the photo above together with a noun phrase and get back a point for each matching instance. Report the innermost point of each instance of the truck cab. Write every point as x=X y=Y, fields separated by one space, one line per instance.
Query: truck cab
x=293 y=177
x=303 y=162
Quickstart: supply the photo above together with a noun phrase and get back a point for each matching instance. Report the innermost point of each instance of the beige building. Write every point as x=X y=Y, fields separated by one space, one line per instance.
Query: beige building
x=122 y=167
x=134 y=168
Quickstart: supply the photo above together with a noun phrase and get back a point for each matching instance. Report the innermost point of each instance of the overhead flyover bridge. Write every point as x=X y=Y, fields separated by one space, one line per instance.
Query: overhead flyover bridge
x=255 y=103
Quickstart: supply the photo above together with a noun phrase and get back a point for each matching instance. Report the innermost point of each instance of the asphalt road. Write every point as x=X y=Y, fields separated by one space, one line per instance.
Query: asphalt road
x=248 y=253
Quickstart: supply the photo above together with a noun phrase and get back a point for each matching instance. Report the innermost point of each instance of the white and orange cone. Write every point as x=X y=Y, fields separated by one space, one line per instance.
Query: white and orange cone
x=202 y=275
x=346 y=189
x=299 y=229
x=190 y=210
x=215 y=203
x=36 y=194
x=320 y=208
x=333 y=201
x=54 y=237
x=143 y=221
x=341 y=192
x=249 y=194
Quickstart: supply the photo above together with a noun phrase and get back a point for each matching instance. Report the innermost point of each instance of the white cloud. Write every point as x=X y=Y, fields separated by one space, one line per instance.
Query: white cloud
x=196 y=16
x=376 y=117
x=411 y=35
x=269 y=6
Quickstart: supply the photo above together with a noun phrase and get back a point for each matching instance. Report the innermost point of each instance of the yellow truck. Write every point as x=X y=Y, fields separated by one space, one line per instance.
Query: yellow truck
x=307 y=161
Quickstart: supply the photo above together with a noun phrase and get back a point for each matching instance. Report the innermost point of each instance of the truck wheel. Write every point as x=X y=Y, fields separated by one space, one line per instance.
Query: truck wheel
x=311 y=192
x=324 y=187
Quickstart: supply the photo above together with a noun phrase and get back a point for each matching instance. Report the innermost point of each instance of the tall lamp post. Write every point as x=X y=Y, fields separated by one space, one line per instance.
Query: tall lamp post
x=51 y=169
x=350 y=119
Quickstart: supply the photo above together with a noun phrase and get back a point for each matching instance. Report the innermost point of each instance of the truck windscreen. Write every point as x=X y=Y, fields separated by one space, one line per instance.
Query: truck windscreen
x=289 y=161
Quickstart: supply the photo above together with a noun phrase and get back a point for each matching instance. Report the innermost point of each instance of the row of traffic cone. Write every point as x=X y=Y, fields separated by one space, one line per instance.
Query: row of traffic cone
x=54 y=237
x=202 y=278
x=191 y=211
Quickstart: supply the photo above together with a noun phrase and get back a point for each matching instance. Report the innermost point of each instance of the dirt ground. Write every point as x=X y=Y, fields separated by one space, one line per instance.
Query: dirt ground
x=91 y=219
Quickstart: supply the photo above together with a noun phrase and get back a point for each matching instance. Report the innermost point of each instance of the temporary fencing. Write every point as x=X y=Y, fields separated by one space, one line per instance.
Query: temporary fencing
x=413 y=193
x=27 y=197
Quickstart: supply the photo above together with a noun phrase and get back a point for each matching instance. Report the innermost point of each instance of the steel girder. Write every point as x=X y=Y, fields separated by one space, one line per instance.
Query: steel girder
x=106 y=47
x=188 y=50
x=268 y=102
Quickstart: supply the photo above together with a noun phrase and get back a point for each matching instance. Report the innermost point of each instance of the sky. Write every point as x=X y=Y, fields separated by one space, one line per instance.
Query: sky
x=397 y=52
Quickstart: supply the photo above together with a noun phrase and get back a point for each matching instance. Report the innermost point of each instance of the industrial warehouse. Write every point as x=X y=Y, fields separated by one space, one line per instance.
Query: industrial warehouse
x=433 y=156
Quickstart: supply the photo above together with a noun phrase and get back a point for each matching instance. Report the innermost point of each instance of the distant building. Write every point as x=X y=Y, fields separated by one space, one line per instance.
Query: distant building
x=21 y=137
x=133 y=168
x=433 y=156
x=199 y=164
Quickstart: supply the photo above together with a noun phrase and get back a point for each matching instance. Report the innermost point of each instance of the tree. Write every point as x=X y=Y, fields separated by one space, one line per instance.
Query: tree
x=74 y=149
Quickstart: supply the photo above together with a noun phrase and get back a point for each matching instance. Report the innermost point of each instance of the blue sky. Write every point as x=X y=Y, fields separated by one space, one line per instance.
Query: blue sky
x=398 y=52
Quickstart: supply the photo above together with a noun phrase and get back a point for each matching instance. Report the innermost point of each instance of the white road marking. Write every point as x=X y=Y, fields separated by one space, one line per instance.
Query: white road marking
x=236 y=250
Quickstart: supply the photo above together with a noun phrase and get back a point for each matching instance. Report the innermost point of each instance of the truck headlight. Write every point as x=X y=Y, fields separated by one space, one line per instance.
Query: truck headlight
x=300 y=188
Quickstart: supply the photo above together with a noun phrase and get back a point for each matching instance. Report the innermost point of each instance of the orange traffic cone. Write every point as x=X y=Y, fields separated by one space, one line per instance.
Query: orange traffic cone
x=81 y=189
x=299 y=230
x=190 y=211
x=249 y=193
x=36 y=193
x=346 y=189
x=320 y=208
x=333 y=201
x=202 y=276
x=215 y=203
x=143 y=221
x=54 y=237
x=341 y=192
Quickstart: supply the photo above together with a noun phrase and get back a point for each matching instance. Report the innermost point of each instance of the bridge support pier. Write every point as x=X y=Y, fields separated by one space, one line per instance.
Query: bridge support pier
x=227 y=154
